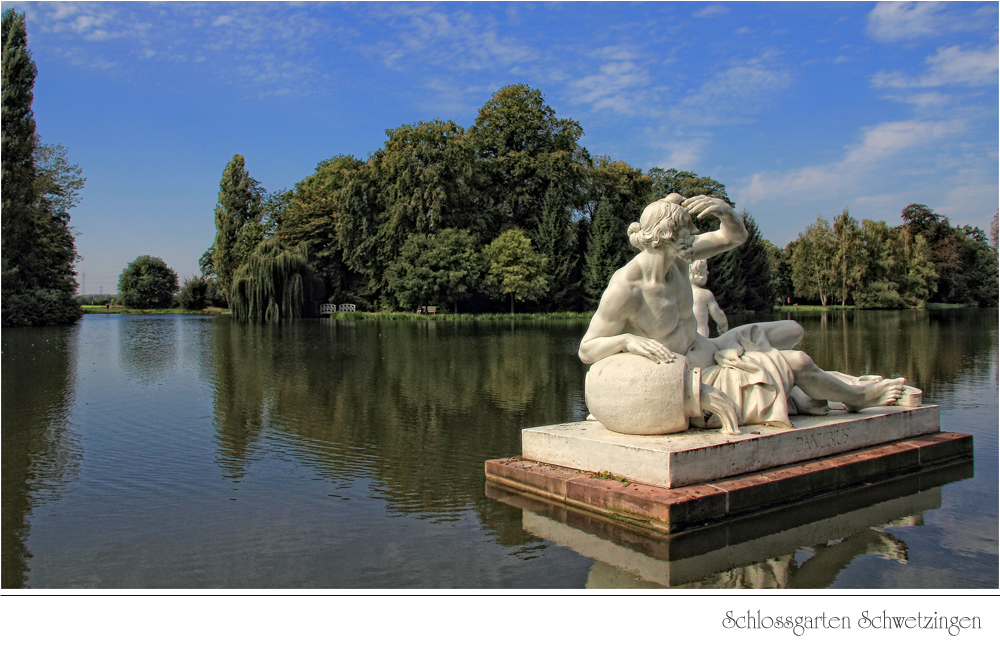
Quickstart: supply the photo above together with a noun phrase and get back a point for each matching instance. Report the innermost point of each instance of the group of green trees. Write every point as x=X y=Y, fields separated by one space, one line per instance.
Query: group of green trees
x=39 y=188
x=873 y=265
x=511 y=210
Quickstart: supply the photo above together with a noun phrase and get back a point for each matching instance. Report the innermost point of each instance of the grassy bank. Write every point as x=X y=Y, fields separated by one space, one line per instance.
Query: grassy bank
x=559 y=315
x=794 y=308
x=800 y=308
x=118 y=309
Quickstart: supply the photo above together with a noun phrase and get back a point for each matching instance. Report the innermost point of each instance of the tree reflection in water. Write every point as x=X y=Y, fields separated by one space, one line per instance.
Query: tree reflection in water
x=40 y=453
x=414 y=407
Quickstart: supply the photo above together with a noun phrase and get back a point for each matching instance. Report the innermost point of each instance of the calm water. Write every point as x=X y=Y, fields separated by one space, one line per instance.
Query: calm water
x=164 y=452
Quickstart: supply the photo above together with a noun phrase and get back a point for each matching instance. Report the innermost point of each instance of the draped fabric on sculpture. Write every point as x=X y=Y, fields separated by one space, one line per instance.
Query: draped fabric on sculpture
x=756 y=378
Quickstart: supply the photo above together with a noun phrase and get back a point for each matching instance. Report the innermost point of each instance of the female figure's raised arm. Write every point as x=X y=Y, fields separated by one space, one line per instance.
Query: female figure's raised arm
x=731 y=233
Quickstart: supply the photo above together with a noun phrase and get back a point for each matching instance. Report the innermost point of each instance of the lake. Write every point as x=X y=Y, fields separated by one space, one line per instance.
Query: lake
x=188 y=452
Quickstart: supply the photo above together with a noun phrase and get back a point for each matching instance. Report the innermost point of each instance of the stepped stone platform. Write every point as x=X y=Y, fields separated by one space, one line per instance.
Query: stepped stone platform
x=678 y=481
x=708 y=556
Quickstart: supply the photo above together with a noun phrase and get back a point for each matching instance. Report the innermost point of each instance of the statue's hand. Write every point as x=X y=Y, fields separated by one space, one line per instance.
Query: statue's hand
x=648 y=348
x=723 y=328
x=705 y=205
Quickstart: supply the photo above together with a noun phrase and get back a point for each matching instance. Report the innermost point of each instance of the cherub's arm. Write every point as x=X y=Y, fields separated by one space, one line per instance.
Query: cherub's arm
x=718 y=316
x=731 y=233
x=606 y=334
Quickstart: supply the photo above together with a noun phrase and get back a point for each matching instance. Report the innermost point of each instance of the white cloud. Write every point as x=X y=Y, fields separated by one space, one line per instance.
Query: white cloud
x=617 y=86
x=711 y=11
x=878 y=146
x=950 y=66
x=923 y=100
x=736 y=94
x=682 y=153
x=893 y=21
x=899 y=21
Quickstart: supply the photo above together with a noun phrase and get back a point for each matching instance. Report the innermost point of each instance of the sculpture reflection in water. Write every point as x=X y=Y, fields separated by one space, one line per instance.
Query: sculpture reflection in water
x=808 y=546
x=748 y=375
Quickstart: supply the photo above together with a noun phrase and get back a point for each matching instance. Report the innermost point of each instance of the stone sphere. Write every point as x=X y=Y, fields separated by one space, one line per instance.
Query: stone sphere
x=628 y=393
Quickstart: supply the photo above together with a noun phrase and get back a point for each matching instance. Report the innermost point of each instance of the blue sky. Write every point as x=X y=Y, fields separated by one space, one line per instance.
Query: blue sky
x=799 y=108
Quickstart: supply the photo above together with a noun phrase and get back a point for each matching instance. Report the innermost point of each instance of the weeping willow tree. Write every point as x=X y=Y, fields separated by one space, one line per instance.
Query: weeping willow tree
x=275 y=283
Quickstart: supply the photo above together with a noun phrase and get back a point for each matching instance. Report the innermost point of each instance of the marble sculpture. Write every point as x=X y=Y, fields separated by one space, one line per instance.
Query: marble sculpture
x=654 y=370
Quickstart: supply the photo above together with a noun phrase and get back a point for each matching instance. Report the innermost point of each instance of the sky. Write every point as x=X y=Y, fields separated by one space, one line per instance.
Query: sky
x=800 y=109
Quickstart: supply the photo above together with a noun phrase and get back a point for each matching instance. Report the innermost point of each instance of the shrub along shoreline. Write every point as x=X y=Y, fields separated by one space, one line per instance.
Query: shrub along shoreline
x=501 y=316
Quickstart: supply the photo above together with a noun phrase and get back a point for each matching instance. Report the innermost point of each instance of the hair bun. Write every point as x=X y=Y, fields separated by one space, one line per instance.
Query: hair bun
x=634 y=228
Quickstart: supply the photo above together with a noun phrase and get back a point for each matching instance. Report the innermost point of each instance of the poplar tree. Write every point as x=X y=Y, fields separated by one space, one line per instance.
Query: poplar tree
x=17 y=160
x=848 y=256
x=39 y=187
x=813 y=271
x=238 y=227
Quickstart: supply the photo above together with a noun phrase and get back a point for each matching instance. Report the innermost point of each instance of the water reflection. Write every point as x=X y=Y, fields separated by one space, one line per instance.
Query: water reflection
x=147 y=347
x=40 y=452
x=197 y=452
x=802 y=547
x=415 y=406
x=931 y=348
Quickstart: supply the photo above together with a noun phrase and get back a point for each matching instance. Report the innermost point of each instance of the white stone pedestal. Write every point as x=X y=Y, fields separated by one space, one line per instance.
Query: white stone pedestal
x=699 y=455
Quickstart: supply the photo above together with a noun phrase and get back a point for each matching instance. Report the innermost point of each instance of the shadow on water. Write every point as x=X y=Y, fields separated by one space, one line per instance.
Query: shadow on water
x=40 y=452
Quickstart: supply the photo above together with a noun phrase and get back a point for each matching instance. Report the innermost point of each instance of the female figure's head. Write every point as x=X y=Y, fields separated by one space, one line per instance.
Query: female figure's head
x=664 y=222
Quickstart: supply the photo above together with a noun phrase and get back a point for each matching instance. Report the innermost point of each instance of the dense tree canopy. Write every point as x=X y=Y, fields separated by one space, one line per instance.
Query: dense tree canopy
x=524 y=149
x=877 y=266
x=515 y=268
x=147 y=283
x=686 y=184
x=407 y=225
x=436 y=269
x=312 y=217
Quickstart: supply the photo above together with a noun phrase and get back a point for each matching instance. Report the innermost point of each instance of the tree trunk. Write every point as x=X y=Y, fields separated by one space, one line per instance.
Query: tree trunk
x=511 y=304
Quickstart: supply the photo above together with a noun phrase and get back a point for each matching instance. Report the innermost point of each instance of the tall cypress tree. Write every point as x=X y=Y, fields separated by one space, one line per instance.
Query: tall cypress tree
x=604 y=251
x=18 y=139
x=39 y=251
x=237 y=220
x=555 y=239
x=741 y=278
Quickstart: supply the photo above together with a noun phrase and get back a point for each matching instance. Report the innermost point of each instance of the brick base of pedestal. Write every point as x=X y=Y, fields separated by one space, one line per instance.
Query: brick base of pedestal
x=674 y=510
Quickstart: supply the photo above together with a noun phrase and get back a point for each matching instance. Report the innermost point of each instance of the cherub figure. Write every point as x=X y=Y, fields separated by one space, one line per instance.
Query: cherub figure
x=705 y=304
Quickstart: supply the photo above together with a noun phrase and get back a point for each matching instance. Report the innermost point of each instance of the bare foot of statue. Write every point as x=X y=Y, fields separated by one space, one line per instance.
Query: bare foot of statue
x=881 y=393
